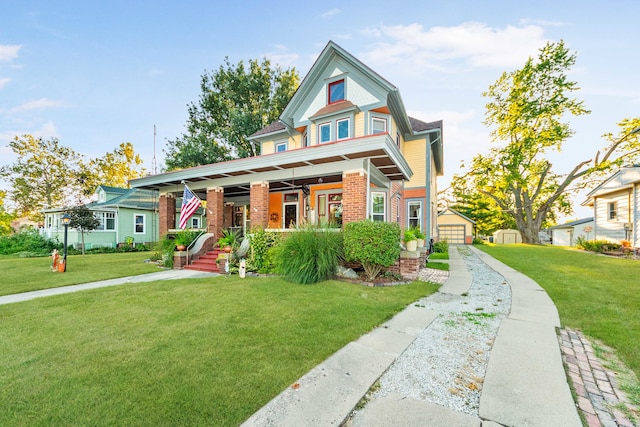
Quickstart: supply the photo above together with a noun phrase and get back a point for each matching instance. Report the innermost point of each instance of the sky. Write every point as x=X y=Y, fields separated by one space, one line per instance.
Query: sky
x=95 y=74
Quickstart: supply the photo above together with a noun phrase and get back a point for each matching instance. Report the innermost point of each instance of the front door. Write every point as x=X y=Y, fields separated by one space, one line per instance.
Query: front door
x=290 y=215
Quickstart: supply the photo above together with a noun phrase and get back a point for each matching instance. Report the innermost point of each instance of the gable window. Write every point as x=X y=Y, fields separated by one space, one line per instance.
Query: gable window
x=414 y=215
x=379 y=125
x=336 y=91
x=138 y=223
x=612 y=210
x=343 y=128
x=324 y=132
x=378 y=206
x=281 y=146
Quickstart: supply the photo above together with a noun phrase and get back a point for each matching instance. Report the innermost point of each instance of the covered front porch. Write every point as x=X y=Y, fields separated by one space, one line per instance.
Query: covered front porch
x=331 y=184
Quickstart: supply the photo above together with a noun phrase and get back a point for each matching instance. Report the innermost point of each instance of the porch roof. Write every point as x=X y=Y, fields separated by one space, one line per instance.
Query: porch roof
x=310 y=163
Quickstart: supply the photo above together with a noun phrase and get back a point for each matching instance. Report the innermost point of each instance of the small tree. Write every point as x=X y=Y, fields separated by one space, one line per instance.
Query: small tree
x=374 y=244
x=84 y=220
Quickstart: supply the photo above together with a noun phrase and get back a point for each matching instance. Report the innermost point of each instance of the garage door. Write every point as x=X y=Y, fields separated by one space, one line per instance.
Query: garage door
x=454 y=234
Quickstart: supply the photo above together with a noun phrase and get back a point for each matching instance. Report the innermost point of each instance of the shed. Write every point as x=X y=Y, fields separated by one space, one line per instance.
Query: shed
x=455 y=228
x=507 y=236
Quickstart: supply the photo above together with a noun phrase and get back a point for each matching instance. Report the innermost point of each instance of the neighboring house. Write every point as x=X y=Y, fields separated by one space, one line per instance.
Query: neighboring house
x=18 y=223
x=568 y=233
x=455 y=228
x=616 y=207
x=507 y=237
x=344 y=149
x=122 y=213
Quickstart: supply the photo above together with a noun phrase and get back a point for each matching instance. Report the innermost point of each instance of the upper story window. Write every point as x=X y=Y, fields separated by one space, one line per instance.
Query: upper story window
x=343 y=129
x=281 y=146
x=305 y=139
x=324 y=132
x=336 y=92
x=379 y=125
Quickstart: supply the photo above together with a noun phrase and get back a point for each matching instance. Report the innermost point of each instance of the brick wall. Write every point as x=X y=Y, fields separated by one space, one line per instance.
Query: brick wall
x=167 y=213
x=409 y=264
x=259 y=204
x=215 y=210
x=354 y=196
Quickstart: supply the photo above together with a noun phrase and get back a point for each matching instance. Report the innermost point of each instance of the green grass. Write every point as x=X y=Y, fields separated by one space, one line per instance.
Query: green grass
x=597 y=294
x=31 y=274
x=438 y=265
x=196 y=352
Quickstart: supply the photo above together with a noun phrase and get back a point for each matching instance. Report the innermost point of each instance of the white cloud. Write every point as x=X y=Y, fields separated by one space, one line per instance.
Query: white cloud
x=36 y=104
x=283 y=57
x=8 y=52
x=471 y=44
x=330 y=13
x=4 y=81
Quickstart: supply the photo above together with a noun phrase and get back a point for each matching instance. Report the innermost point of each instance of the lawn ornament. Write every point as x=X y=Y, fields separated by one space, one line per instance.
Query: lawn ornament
x=55 y=257
x=242 y=270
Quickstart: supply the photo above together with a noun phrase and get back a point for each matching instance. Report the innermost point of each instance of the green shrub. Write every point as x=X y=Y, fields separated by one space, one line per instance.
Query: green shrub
x=409 y=235
x=441 y=246
x=260 y=257
x=308 y=255
x=373 y=244
x=599 y=246
x=28 y=240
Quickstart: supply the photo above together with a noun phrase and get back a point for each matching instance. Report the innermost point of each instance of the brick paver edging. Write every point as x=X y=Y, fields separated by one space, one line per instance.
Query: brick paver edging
x=596 y=387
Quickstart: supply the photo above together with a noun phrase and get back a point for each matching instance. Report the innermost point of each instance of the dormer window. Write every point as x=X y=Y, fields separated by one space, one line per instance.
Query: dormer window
x=281 y=146
x=379 y=125
x=336 y=92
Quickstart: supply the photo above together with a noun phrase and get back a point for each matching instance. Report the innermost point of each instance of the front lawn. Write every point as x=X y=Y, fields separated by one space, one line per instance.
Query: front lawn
x=31 y=274
x=181 y=352
x=598 y=294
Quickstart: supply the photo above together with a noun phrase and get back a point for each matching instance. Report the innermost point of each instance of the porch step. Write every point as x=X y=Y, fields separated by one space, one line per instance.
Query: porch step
x=206 y=262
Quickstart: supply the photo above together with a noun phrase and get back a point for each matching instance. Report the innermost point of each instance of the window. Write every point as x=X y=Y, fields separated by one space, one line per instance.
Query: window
x=414 y=209
x=138 y=223
x=343 y=128
x=612 y=210
x=324 y=132
x=291 y=197
x=281 y=146
x=336 y=91
x=398 y=139
x=379 y=125
x=195 y=222
x=107 y=220
x=378 y=206
x=305 y=139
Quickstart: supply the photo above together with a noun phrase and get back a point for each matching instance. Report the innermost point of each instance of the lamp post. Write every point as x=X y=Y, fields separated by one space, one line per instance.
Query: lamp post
x=66 y=219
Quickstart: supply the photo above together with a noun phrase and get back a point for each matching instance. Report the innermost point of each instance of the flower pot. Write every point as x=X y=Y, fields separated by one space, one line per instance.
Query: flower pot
x=181 y=247
x=412 y=245
x=421 y=243
x=227 y=249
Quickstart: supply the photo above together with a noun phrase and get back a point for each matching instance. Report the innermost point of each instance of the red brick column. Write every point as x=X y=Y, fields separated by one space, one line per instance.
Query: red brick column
x=215 y=211
x=354 y=196
x=259 y=204
x=167 y=213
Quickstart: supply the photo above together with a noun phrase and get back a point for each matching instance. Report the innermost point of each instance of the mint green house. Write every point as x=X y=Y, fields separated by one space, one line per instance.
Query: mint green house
x=124 y=214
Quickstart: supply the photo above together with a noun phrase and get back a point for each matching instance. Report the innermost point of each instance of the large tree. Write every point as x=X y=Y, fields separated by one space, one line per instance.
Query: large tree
x=529 y=110
x=44 y=176
x=235 y=102
x=5 y=216
x=115 y=169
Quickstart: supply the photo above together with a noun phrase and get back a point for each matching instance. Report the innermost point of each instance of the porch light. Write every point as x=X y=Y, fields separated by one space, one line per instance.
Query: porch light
x=66 y=219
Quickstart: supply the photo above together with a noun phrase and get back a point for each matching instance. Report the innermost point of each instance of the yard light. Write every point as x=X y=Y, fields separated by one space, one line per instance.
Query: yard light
x=66 y=219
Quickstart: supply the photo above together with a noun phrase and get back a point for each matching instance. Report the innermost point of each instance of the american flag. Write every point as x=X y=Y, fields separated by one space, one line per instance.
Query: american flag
x=190 y=204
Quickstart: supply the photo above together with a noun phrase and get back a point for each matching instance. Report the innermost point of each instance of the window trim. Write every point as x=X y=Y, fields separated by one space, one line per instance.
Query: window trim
x=612 y=211
x=280 y=144
x=383 y=214
x=320 y=127
x=135 y=223
x=338 y=121
x=377 y=119
x=334 y=84
x=420 y=214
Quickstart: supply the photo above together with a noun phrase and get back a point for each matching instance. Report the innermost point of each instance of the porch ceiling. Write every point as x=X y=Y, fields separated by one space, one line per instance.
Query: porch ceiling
x=380 y=149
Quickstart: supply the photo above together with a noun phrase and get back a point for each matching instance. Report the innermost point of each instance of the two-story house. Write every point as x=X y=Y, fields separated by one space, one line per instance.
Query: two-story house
x=344 y=149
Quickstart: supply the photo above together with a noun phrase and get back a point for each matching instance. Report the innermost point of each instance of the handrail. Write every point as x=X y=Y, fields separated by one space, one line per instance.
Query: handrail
x=193 y=243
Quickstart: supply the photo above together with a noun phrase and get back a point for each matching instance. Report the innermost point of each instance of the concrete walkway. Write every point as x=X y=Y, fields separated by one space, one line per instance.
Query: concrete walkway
x=525 y=383
x=150 y=277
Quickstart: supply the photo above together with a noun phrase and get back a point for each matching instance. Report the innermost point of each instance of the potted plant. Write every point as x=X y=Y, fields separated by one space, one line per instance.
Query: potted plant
x=420 y=236
x=410 y=240
x=183 y=239
x=228 y=240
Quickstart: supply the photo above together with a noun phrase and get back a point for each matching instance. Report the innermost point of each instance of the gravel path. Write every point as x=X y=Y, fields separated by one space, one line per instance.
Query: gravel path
x=446 y=364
